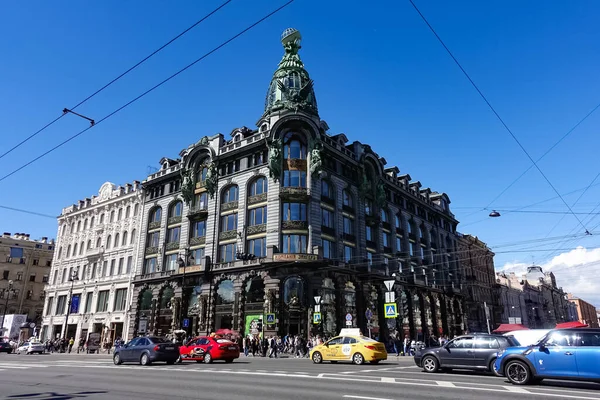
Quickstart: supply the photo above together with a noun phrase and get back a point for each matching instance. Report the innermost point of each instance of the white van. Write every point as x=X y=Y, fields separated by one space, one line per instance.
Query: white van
x=528 y=337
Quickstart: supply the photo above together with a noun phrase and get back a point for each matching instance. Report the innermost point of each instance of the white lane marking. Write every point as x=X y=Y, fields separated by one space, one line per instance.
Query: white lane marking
x=1 y=370
x=516 y=389
x=386 y=379
x=445 y=384
x=14 y=367
x=8 y=365
x=349 y=396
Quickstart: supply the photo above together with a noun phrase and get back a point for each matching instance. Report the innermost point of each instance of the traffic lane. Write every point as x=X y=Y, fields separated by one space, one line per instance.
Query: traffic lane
x=163 y=382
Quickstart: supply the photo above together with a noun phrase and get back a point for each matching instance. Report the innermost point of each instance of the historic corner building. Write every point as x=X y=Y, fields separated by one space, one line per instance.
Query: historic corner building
x=264 y=222
x=89 y=287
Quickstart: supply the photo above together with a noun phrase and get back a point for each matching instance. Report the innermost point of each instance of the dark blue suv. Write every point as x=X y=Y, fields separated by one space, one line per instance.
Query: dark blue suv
x=565 y=354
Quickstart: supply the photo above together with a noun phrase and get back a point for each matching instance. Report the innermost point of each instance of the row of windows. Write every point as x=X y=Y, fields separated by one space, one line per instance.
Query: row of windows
x=19 y=276
x=118 y=240
x=102 y=303
x=113 y=267
x=112 y=216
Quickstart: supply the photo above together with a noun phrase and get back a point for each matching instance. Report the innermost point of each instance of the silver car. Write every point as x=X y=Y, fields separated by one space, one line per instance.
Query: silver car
x=31 y=347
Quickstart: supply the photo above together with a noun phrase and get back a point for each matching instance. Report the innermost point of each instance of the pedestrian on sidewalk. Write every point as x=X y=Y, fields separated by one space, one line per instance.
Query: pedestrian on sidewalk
x=71 y=343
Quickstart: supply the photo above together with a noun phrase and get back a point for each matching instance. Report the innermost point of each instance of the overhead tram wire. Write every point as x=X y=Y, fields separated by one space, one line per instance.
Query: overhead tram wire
x=27 y=212
x=150 y=90
x=117 y=78
x=495 y=112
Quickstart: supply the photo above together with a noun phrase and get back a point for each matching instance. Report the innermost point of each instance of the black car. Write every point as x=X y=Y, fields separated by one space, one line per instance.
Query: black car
x=474 y=352
x=146 y=350
x=5 y=347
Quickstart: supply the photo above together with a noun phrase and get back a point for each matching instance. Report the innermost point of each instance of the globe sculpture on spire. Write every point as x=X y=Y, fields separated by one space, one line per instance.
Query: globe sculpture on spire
x=291 y=87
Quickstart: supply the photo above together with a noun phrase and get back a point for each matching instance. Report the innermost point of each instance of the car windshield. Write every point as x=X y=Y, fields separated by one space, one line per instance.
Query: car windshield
x=224 y=341
x=512 y=341
x=156 y=340
x=26 y=344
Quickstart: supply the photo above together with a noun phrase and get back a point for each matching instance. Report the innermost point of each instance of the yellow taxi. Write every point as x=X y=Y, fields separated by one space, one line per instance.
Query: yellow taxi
x=350 y=345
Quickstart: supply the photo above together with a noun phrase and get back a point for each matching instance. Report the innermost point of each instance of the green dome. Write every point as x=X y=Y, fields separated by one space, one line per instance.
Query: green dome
x=291 y=87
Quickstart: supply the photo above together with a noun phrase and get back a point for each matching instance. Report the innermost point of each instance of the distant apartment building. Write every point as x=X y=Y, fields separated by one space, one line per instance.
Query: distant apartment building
x=91 y=276
x=586 y=312
x=25 y=267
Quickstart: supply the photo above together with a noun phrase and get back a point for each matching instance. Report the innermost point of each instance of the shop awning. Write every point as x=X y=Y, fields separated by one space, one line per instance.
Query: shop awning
x=503 y=328
x=572 y=324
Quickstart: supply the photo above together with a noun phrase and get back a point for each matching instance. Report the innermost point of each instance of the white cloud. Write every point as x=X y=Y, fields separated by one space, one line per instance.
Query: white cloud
x=576 y=271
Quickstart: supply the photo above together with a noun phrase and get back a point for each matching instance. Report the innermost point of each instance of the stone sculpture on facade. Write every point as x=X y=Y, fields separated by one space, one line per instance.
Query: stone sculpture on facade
x=380 y=195
x=211 y=179
x=316 y=157
x=187 y=185
x=275 y=159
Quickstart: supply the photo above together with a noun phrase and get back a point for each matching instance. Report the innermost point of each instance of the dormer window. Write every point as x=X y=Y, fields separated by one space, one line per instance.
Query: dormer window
x=237 y=138
x=294 y=148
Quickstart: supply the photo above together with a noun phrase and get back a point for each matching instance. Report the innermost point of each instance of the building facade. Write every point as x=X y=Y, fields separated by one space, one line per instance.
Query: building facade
x=25 y=265
x=268 y=220
x=89 y=286
x=586 y=312
x=479 y=287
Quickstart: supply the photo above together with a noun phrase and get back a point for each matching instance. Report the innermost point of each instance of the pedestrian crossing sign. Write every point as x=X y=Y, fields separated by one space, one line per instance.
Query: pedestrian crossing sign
x=270 y=319
x=390 y=310
x=316 y=318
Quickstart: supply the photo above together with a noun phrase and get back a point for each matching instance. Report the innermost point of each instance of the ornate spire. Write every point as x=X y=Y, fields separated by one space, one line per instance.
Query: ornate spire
x=291 y=87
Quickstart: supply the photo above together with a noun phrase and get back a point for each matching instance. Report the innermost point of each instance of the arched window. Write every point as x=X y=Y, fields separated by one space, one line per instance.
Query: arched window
x=230 y=194
x=98 y=243
x=74 y=253
x=68 y=251
x=201 y=174
x=146 y=300
x=293 y=290
x=155 y=215
x=116 y=244
x=384 y=216
x=326 y=189
x=127 y=211
x=409 y=228
x=293 y=147
x=255 y=290
x=85 y=224
x=165 y=298
x=136 y=209
x=225 y=293
x=132 y=236
x=72 y=227
x=92 y=223
x=89 y=244
x=201 y=201
x=347 y=199
x=124 y=242
x=398 y=221
x=59 y=252
x=81 y=248
x=112 y=216
x=78 y=226
x=108 y=240
x=421 y=232
x=259 y=186
x=175 y=209
x=101 y=218
x=120 y=215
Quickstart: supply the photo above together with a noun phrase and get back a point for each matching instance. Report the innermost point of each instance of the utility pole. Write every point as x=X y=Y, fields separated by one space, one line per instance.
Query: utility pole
x=7 y=294
x=72 y=278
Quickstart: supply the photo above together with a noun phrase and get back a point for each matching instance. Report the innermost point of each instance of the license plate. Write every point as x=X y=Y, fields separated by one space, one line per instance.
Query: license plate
x=169 y=348
x=231 y=347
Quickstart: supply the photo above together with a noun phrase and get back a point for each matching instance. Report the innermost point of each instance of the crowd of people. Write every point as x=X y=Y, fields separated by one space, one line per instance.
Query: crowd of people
x=273 y=346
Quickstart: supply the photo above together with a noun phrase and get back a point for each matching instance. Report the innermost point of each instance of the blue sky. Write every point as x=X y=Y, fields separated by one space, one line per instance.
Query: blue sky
x=380 y=77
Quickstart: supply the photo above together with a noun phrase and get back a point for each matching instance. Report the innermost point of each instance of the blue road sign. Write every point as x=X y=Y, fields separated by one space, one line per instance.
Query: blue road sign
x=348 y=317
x=390 y=310
x=186 y=322
x=316 y=318
x=270 y=319
x=369 y=313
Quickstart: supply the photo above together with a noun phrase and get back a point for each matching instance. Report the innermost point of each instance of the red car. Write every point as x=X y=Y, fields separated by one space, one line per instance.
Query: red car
x=215 y=348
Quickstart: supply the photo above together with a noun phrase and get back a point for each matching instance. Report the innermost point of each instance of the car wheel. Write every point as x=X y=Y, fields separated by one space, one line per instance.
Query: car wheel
x=317 y=357
x=144 y=359
x=358 y=359
x=208 y=359
x=518 y=372
x=117 y=359
x=493 y=369
x=430 y=364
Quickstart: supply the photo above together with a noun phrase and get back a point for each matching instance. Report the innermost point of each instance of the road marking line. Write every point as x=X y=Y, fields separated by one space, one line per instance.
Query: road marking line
x=14 y=367
x=387 y=379
x=445 y=384
x=516 y=389
x=349 y=396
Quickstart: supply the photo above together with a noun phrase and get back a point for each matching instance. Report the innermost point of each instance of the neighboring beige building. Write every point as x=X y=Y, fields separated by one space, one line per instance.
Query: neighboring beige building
x=585 y=311
x=26 y=263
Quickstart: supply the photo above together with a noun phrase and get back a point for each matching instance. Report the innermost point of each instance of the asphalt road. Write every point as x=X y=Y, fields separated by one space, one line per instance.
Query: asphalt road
x=62 y=377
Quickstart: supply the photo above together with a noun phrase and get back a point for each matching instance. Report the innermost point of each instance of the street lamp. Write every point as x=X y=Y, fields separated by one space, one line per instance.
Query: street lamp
x=494 y=214
x=183 y=262
x=7 y=292
x=72 y=278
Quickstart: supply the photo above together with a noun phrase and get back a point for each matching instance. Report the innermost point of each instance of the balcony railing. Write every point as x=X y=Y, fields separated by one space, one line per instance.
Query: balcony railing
x=151 y=250
x=174 y=220
x=154 y=225
x=412 y=236
x=348 y=209
x=200 y=184
x=349 y=237
x=294 y=225
x=232 y=205
x=257 y=198
x=387 y=250
x=228 y=235
x=198 y=210
x=400 y=231
x=293 y=193
x=195 y=241
x=371 y=244
x=386 y=226
x=327 y=230
x=328 y=200
x=172 y=246
x=255 y=229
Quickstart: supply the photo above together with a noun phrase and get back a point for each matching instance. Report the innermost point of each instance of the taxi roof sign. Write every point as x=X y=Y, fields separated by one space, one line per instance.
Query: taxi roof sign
x=350 y=332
